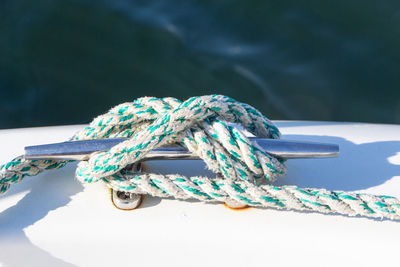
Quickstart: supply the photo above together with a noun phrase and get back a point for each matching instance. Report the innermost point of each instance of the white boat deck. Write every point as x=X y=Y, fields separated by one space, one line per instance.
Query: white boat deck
x=53 y=220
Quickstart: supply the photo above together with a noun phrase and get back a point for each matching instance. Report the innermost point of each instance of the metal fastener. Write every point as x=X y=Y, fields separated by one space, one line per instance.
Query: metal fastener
x=126 y=200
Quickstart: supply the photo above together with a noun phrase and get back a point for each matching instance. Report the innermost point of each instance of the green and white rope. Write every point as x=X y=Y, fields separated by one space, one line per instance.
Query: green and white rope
x=206 y=126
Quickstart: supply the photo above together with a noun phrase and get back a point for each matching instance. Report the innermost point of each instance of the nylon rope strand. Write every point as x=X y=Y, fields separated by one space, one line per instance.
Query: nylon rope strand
x=205 y=126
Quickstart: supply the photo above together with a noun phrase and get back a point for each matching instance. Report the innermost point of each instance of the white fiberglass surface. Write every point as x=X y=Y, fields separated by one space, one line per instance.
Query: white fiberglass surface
x=53 y=220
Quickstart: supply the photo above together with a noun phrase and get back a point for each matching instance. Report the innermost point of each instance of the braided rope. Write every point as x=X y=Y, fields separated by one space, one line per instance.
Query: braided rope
x=204 y=126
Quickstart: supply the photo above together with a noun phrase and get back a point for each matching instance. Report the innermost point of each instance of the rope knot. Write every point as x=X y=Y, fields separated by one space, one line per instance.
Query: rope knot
x=207 y=126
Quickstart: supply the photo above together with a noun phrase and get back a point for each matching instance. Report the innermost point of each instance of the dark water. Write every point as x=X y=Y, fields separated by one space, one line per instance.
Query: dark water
x=63 y=62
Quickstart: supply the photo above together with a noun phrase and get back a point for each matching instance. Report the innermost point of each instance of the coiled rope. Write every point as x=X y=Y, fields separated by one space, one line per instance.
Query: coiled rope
x=204 y=126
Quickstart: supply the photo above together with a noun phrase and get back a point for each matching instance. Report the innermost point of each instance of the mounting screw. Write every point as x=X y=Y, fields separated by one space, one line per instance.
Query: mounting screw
x=125 y=200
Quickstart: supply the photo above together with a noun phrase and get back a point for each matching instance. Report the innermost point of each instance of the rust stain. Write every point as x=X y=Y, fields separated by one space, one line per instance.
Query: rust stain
x=144 y=167
x=241 y=208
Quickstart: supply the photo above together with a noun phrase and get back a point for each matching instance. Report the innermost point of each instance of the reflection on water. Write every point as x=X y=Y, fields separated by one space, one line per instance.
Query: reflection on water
x=64 y=62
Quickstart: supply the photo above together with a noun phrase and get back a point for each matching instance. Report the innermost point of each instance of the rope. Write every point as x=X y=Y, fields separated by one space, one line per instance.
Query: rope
x=205 y=126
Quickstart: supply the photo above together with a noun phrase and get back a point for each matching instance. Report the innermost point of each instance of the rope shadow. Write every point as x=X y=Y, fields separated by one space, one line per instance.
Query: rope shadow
x=48 y=191
x=358 y=167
